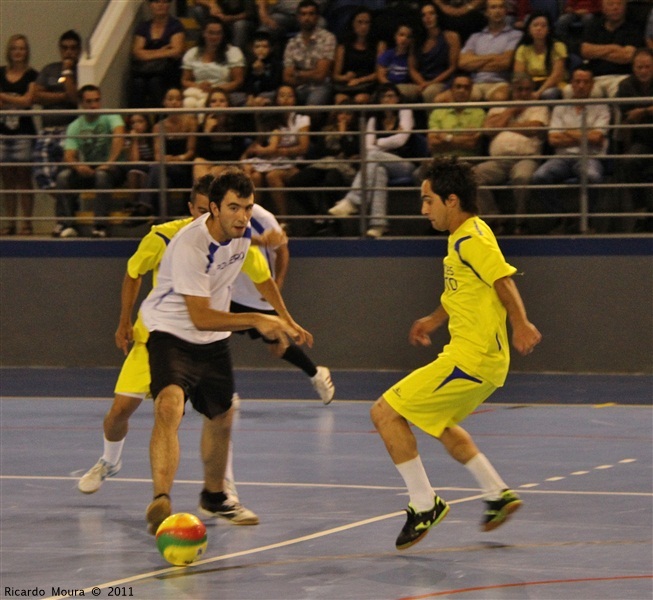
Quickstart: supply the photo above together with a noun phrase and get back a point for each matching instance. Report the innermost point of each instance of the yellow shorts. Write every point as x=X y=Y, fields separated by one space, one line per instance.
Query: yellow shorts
x=134 y=379
x=437 y=396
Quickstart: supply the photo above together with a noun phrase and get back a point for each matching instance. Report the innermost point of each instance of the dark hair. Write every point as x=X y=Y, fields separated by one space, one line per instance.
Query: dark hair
x=584 y=66
x=386 y=87
x=71 y=34
x=378 y=95
x=221 y=51
x=201 y=187
x=527 y=38
x=262 y=36
x=129 y=119
x=448 y=175
x=647 y=51
x=231 y=179
x=307 y=3
x=217 y=91
x=89 y=87
x=349 y=35
x=460 y=73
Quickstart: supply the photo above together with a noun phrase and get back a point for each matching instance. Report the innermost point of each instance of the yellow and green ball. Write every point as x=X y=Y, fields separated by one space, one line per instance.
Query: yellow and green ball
x=181 y=539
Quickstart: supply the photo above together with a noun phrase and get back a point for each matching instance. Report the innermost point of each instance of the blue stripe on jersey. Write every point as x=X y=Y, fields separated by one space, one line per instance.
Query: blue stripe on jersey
x=164 y=296
x=462 y=260
x=165 y=238
x=457 y=374
x=213 y=248
x=258 y=227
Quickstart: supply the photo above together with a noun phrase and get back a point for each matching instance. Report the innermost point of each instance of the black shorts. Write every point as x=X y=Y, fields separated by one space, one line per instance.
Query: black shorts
x=253 y=332
x=203 y=371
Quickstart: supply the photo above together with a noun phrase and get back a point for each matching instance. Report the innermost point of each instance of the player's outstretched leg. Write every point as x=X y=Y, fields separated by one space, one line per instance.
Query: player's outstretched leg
x=425 y=508
x=501 y=502
x=116 y=425
x=320 y=376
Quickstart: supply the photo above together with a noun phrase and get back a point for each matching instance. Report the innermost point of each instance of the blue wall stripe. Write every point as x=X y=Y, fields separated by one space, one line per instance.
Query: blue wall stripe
x=350 y=248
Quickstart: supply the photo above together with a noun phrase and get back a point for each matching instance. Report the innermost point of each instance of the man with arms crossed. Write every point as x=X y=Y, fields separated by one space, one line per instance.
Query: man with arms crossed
x=478 y=293
x=186 y=315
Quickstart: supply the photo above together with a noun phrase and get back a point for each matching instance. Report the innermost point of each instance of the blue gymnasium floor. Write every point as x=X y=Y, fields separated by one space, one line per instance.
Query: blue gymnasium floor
x=577 y=449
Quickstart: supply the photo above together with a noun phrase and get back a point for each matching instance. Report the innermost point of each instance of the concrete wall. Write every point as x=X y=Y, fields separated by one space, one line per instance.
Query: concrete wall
x=591 y=298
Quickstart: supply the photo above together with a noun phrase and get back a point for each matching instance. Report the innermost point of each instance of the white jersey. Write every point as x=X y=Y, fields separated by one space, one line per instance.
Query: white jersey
x=244 y=291
x=194 y=264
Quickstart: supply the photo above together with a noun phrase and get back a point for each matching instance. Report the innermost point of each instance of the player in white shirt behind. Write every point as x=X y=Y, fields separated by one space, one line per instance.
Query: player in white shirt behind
x=246 y=298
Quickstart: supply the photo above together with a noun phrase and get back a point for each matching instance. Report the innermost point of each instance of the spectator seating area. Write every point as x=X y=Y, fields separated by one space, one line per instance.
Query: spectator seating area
x=239 y=83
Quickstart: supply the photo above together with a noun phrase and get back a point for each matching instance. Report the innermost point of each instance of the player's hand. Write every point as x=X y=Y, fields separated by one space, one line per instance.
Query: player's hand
x=420 y=332
x=275 y=328
x=273 y=238
x=124 y=336
x=525 y=338
x=304 y=337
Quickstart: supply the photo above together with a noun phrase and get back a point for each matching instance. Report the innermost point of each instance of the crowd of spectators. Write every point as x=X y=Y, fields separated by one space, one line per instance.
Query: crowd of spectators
x=306 y=52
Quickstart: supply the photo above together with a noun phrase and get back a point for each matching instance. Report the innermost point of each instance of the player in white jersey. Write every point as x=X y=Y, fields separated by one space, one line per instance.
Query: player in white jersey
x=246 y=298
x=189 y=324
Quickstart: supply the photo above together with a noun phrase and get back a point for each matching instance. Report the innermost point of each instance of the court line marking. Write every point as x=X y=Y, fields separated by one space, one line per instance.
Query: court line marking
x=523 y=584
x=561 y=477
x=298 y=540
x=333 y=486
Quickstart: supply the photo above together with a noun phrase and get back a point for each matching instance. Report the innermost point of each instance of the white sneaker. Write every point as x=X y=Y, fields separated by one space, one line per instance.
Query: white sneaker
x=68 y=232
x=323 y=385
x=343 y=208
x=376 y=232
x=235 y=401
x=91 y=481
x=231 y=510
x=230 y=489
x=58 y=228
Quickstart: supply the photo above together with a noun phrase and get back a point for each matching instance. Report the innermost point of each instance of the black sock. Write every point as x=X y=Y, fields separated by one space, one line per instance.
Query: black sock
x=215 y=497
x=296 y=356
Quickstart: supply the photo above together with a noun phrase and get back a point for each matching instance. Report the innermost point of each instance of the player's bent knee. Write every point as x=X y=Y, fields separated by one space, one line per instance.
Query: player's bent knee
x=169 y=405
x=381 y=413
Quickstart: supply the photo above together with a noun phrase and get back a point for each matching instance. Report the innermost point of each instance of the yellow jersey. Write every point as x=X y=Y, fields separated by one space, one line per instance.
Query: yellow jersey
x=477 y=318
x=147 y=258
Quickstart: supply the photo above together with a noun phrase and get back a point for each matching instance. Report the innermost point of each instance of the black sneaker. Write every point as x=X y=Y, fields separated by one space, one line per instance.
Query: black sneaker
x=226 y=507
x=418 y=524
x=498 y=511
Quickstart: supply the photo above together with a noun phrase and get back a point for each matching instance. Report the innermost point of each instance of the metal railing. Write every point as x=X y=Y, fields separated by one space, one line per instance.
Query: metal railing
x=583 y=216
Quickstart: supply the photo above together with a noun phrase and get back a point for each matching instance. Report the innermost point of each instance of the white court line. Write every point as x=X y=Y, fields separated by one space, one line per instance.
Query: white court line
x=206 y=561
x=336 y=486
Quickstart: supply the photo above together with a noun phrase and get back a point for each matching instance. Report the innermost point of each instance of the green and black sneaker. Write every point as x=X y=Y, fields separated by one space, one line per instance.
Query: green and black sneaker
x=498 y=511
x=418 y=523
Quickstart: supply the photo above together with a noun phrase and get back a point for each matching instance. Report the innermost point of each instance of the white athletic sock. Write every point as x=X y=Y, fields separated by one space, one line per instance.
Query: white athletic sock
x=112 y=451
x=484 y=473
x=229 y=469
x=419 y=488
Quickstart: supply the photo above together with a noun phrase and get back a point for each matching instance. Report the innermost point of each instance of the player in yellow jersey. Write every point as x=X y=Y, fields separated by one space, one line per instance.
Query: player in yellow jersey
x=478 y=295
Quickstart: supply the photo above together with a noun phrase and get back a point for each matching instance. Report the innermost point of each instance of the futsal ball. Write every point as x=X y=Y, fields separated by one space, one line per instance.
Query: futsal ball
x=181 y=539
